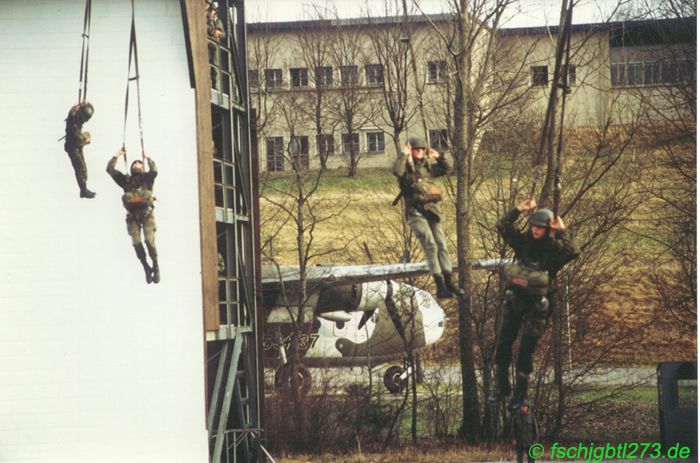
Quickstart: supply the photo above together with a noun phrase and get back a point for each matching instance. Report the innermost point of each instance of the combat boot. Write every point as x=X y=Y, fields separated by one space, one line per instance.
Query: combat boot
x=156 y=272
x=456 y=290
x=85 y=193
x=520 y=391
x=502 y=389
x=141 y=254
x=442 y=291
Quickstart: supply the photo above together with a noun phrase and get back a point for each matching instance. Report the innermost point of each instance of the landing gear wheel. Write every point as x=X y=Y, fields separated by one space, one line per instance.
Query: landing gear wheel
x=392 y=379
x=283 y=378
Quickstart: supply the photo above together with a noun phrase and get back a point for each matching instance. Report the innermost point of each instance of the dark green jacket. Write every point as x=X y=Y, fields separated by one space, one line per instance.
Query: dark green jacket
x=548 y=253
x=140 y=185
x=75 y=138
x=416 y=179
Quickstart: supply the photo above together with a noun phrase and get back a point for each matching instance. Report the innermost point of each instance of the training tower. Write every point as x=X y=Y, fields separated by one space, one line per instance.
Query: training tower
x=229 y=227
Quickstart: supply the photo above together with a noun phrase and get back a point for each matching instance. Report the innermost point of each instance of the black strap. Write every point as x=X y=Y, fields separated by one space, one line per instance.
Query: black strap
x=85 y=52
x=133 y=52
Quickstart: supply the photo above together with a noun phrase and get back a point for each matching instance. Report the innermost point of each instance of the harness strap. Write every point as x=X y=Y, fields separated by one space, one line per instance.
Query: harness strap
x=133 y=53
x=85 y=52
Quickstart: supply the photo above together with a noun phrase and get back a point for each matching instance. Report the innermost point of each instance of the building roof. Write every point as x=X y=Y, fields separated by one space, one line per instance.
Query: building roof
x=638 y=32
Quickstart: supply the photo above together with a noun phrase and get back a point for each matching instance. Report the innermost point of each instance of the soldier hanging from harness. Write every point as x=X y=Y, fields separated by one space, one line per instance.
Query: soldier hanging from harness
x=416 y=169
x=138 y=201
x=75 y=140
x=540 y=252
x=524 y=432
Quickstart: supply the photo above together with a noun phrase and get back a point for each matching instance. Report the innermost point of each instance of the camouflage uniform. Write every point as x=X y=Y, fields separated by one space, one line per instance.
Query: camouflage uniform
x=75 y=140
x=138 y=201
x=548 y=254
x=214 y=24
x=422 y=206
x=524 y=432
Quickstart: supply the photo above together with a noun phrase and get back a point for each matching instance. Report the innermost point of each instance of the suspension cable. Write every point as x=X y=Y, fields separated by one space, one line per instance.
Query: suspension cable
x=85 y=52
x=133 y=53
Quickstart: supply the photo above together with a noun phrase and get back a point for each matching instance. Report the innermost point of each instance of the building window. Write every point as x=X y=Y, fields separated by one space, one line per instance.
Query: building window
x=324 y=76
x=539 y=76
x=325 y=144
x=253 y=78
x=375 y=142
x=273 y=78
x=299 y=77
x=351 y=141
x=348 y=75
x=437 y=71
x=374 y=73
x=299 y=150
x=438 y=140
x=275 y=154
x=651 y=73
x=571 y=76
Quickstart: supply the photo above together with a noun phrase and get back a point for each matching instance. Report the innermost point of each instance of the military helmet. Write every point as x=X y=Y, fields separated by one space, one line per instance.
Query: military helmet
x=541 y=217
x=417 y=142
x=137 y=161
x=85 y=111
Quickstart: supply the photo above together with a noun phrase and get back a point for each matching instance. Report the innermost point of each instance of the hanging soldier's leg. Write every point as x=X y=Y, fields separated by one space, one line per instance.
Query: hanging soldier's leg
x=421 y=228
x=134 y=229
x=510 y=325
x=444 y=257
x=149 y=233
x=78 y=162
x=535 y=321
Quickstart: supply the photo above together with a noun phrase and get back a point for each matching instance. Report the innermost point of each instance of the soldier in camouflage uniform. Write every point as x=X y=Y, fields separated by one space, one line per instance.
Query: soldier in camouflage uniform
x=546 y=247
x=138 y=201
x=524 y=432
x=416 y=170
x=75 y=140
x=216 y=32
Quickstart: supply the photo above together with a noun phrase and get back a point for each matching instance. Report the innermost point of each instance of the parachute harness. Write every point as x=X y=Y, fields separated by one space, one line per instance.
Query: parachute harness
x=85 y=53
x=133 y=52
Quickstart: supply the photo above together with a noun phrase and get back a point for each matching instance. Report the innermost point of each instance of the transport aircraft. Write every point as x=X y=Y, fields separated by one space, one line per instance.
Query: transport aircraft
x=352 y=316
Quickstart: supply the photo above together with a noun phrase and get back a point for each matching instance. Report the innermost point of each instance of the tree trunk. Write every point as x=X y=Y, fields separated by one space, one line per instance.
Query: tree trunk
x=469 y=430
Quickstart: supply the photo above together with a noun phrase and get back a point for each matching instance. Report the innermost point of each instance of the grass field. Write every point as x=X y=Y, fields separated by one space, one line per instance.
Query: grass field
x=365 y=216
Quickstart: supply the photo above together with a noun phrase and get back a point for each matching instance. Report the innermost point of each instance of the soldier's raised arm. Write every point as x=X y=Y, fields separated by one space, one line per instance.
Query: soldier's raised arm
x=441 y=166
x=118 y=177
x=152 y=168
x=400 y=164
x=564 y=245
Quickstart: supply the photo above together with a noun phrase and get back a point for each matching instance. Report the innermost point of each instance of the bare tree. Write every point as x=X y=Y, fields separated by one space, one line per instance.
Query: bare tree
x=297 y=205
x=351 y=105
x=314 y=48
x=390 y=50
x=263 y=50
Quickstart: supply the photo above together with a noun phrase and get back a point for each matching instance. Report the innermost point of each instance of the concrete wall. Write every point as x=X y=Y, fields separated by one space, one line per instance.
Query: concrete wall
x=96 y=365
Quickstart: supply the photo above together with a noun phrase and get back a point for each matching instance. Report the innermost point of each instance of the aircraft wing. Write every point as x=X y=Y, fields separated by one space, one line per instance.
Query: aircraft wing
x=344 y=274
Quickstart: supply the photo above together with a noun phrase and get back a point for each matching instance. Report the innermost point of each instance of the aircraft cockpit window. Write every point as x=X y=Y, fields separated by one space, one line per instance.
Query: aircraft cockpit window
x=441 y=324
x=316 y=325
x=340 y=325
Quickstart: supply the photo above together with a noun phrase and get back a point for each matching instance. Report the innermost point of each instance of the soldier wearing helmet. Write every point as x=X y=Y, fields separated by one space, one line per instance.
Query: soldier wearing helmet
x=138 y=201
x=540 y=252
x=75 y=140
x=416 y=169
x=217 y=33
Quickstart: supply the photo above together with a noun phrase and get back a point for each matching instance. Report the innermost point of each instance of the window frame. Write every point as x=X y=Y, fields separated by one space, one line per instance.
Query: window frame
x=440 y=74
x=277 y=72
x=355 y=141
x=274 y=159
x=299 y=77
x=380 y=140
x=374 y=75
x=536 y=73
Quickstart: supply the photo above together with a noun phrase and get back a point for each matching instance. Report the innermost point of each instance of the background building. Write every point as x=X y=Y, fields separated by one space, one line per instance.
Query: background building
x=307 y=77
